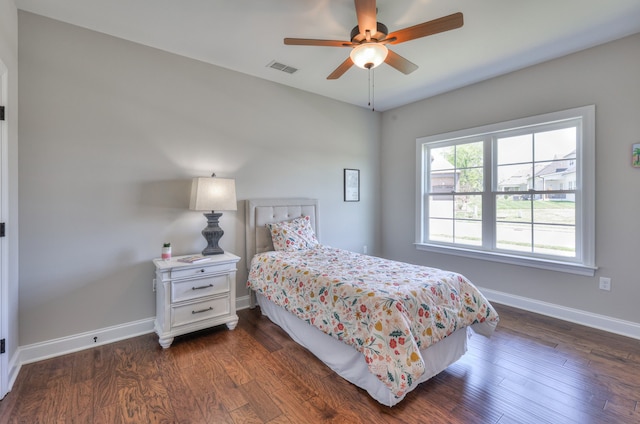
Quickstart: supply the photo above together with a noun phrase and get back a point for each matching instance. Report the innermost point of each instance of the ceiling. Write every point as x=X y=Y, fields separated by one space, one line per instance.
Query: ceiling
x=498 y=36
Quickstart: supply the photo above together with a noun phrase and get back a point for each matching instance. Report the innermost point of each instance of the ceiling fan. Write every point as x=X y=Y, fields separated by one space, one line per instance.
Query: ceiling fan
x=369 y=39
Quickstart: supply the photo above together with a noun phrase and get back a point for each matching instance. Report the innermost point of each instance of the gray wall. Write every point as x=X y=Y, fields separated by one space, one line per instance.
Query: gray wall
x=111 y=133
x=607 y=76
x=9 y=57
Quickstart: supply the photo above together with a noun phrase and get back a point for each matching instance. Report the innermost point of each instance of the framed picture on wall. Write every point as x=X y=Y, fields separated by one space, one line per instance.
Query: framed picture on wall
x=635 y=155
x=351 y=185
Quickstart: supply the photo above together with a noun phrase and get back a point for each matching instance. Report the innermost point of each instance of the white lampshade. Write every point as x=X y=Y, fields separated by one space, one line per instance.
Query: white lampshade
x=368 y=55
x=213 y=194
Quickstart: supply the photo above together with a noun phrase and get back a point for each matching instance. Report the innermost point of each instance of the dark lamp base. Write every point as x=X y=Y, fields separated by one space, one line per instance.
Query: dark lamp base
x=212 y=233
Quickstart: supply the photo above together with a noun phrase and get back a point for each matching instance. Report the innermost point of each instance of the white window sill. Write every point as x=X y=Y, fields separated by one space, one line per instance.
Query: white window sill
x=559 y=266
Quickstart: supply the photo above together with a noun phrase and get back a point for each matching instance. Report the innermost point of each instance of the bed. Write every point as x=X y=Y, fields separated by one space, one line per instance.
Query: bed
x=382 y=325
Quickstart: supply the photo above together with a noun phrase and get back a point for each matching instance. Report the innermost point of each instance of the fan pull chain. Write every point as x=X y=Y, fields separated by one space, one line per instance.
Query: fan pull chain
x=373 y=91
x=371 y=87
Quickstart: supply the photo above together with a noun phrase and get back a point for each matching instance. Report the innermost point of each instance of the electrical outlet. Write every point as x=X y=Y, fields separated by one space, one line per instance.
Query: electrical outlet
x=364 y=249
x=605 y=283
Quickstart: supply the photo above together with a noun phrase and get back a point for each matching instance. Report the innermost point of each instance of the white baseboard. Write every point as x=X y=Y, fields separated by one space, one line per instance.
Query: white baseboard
x=74 y=343
x=14 y=369
x=52 y=348
x=56 y=347
x=589 y=319
x=242 y=302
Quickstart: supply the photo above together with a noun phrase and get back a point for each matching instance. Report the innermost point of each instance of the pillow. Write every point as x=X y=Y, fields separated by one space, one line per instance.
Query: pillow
x=296 y=234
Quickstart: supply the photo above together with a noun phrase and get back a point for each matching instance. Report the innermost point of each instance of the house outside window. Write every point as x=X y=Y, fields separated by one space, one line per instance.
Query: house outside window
x=520 y=192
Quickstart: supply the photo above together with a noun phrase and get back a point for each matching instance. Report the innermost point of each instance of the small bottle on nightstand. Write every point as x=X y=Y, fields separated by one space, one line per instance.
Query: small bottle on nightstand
x=166 y=251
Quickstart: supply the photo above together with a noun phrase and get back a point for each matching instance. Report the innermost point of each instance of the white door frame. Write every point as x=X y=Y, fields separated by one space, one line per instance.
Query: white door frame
x=4 y=251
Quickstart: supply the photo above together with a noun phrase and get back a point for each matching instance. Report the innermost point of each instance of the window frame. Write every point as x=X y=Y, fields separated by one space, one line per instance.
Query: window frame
x=584 y=261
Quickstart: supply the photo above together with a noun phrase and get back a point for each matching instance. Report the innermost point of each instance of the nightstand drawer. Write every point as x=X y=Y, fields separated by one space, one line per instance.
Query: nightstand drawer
x=198 y=311
x=203 y=269
x=200 y=287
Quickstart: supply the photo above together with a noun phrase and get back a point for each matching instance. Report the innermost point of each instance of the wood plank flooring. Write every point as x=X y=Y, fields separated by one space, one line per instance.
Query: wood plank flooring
x=534 y=369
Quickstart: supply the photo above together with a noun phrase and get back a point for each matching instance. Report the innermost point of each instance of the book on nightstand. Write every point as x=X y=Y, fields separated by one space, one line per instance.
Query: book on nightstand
x=196 y=259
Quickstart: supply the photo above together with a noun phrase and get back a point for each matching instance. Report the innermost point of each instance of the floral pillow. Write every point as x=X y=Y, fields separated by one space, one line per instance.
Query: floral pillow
x=296 y=234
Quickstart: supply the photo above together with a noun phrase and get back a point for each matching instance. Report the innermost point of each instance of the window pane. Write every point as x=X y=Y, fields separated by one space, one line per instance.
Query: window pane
x=469 y=160
x=468 y=232
x=555 y=144
x=470 y=180
x=468 y=155
x=456 y=168
x=443 y=181
x=511 y=236
x=515 y=149
x=514 y=177
x=554 y=240
x=456 y=219
x=440 y=158
x=515 y=208
x=555 y=175
x=443 y=176
x=554 y=212
x=441 y=230
x=468 y=224
x=441 y=206
x=468 y=207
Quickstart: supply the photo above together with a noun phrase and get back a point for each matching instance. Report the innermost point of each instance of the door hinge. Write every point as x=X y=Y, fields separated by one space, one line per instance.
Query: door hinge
x=1 y=229
x=1 y=113
x=2 y=346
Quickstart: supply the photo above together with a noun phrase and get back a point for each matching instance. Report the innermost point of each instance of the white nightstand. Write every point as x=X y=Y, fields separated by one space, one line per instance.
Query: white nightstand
x=192 y=297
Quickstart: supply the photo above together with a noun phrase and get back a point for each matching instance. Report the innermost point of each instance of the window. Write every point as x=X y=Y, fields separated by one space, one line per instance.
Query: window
x=521 y=192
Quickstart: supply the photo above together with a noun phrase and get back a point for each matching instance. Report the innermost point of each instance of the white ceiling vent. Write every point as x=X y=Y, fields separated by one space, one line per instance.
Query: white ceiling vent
x=282 y=67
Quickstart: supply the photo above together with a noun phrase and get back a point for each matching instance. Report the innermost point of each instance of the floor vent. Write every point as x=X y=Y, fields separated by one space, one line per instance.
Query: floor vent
x=282 y=67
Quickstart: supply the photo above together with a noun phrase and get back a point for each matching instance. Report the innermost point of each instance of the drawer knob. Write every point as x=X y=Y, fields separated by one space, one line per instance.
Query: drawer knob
x=210 y=308
x=202 y=270
x=201 y=287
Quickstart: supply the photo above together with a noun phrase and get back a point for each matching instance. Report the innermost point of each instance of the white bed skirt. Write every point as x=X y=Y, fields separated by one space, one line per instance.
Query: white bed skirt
x=350 y=364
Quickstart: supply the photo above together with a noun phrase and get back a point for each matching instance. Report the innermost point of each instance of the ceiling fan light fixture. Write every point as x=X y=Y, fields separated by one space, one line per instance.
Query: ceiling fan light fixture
x=369 y=55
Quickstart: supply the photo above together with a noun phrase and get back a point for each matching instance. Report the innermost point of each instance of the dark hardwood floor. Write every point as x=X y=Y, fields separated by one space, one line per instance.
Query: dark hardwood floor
x=534 y=369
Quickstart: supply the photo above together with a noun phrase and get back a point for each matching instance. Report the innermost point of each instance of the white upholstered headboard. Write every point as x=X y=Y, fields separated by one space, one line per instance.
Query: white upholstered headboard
x=264 y=211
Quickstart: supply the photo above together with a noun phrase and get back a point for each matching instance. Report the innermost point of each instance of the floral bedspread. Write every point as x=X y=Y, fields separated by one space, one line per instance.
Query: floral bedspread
x=385 y=309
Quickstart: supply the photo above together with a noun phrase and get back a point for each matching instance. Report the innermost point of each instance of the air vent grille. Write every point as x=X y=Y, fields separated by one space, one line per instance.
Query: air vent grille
x=282 y=67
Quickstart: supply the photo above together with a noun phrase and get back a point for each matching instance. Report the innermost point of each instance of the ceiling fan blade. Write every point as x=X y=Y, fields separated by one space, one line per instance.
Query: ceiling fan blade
x=435 y=26
x=366 y=13
x=312 y=42
x=400 y=63
x=344 y=67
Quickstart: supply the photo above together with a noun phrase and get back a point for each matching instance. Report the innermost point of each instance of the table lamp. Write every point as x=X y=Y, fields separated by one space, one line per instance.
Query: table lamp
x=213 y=194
